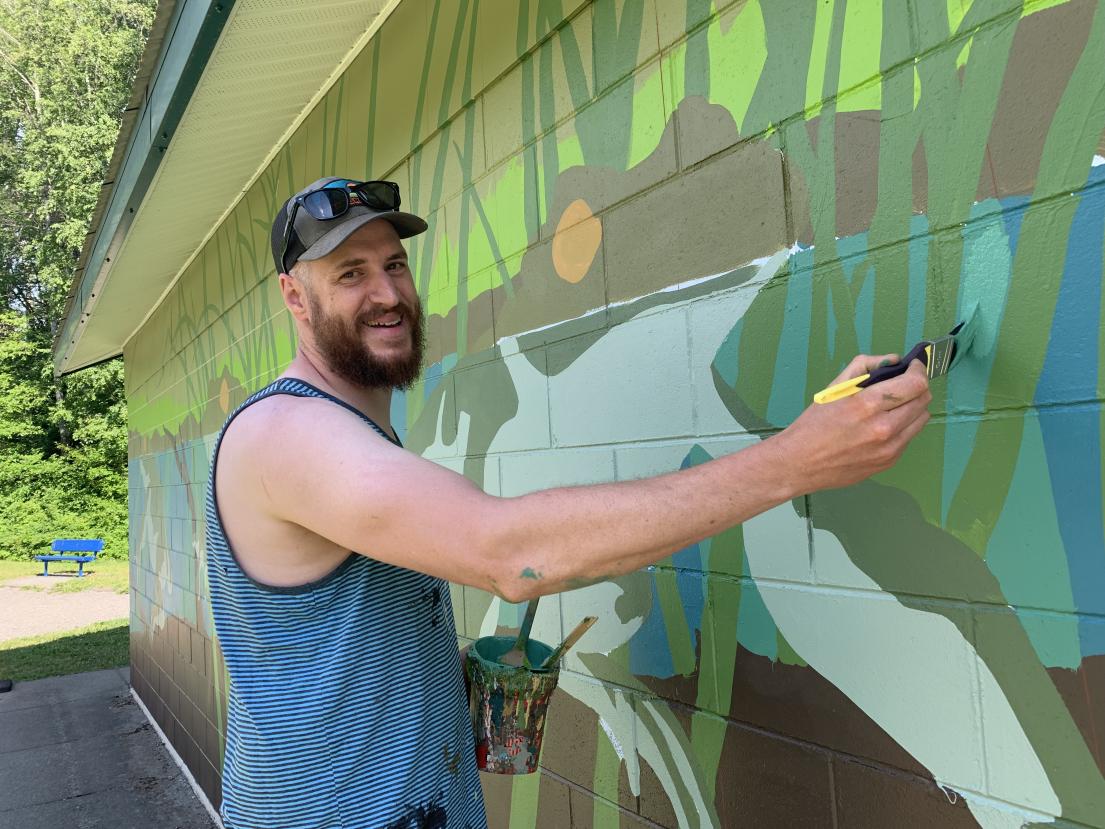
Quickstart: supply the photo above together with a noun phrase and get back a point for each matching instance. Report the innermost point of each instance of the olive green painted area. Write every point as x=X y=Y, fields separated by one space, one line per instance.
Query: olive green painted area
x=655 y=230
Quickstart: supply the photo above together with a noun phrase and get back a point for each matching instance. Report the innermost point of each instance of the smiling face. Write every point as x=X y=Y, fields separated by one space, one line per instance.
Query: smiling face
x=362 y=310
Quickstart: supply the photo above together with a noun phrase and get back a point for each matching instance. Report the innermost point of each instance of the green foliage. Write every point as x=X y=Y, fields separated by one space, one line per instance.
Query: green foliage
x=65 y=74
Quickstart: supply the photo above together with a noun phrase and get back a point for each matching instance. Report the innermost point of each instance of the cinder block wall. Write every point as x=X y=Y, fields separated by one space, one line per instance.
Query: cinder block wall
x=657 y=228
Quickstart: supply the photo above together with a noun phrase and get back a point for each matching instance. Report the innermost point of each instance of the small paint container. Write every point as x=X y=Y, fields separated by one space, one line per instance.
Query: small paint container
x=508 y=704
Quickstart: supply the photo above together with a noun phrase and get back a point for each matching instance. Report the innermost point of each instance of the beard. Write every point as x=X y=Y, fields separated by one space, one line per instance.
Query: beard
x=347 y=355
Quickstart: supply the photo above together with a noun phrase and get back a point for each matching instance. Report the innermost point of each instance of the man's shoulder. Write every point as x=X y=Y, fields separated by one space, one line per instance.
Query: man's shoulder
x=282 y=420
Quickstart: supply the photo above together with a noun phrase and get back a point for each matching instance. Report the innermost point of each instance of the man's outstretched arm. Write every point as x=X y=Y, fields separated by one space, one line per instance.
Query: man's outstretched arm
x=336 y=478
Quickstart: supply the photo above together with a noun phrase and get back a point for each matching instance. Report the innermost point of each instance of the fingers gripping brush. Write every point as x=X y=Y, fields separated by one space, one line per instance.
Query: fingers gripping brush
x=938 y=356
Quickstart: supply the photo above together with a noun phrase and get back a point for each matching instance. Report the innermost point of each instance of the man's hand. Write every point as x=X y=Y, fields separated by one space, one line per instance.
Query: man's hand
x=841 y=443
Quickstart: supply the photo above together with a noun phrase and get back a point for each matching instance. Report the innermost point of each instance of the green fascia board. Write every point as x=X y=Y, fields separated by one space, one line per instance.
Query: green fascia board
x=193 y=35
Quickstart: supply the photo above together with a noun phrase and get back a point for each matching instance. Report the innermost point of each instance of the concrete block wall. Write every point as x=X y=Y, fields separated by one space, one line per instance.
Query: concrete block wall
x=656 y=228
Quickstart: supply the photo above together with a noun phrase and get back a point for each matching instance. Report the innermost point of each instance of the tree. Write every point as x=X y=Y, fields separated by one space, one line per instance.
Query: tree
x=66 y=68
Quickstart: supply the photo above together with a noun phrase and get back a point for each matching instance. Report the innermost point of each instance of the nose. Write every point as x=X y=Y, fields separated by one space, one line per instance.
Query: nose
x=382 y=290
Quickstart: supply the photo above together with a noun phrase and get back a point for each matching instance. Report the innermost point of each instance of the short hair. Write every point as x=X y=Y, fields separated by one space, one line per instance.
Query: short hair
x=300 y=270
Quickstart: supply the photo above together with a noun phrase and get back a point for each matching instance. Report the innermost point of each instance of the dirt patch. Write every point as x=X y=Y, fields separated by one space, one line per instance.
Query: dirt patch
x=26 y=612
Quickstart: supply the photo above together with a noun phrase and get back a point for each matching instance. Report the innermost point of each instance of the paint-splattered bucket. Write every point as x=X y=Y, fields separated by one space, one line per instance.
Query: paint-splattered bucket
x=508 y=704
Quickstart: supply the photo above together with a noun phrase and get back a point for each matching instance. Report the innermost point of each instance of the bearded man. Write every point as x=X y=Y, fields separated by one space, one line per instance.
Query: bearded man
x=330 y=547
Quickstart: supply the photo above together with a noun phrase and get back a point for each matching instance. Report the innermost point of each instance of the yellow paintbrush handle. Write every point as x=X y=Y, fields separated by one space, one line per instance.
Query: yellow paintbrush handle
x=840 y=390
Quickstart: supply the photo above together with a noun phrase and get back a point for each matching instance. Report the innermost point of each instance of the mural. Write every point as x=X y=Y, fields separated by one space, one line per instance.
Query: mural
x=656 y=229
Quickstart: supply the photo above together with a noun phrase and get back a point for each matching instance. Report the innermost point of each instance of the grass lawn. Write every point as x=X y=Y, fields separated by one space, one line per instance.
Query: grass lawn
x=102 y=574
x=93 y=648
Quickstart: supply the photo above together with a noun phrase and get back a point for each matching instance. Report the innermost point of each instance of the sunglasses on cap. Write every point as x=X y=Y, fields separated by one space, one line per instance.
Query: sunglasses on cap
x=334 y=200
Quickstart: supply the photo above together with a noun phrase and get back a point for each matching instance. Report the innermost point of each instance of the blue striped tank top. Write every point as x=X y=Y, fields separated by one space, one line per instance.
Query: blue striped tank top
x=346 y=704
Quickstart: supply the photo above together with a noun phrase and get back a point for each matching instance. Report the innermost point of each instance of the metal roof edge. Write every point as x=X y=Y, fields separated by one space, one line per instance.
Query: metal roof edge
x=371 y=32
x=169 y=71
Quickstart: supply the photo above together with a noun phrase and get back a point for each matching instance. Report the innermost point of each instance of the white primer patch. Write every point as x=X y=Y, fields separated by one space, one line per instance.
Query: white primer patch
x=613 y=738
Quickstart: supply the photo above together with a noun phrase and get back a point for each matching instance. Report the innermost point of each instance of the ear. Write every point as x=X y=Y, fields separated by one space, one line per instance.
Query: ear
x=295 y=296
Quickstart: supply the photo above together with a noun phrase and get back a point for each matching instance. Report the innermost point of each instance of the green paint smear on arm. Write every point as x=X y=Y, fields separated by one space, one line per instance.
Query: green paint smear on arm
x=529 y=573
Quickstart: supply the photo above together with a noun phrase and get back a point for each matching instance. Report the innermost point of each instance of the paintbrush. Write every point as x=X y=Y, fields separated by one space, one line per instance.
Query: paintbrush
x=569 y=640
x=938 y=356
x=517 y=655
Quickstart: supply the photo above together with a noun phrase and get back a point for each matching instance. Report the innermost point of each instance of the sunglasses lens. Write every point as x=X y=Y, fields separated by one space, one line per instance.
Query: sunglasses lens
x=327 y=203
x=380 y=195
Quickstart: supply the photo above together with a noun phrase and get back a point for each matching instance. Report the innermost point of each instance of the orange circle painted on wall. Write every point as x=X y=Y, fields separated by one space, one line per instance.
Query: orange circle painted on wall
x=577 y=239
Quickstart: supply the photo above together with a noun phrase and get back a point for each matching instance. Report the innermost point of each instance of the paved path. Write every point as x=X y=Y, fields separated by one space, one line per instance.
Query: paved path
x=30 y=612
x=77 y=751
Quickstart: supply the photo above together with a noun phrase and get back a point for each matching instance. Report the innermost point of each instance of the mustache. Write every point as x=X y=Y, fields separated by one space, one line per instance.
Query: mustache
x=411 y=313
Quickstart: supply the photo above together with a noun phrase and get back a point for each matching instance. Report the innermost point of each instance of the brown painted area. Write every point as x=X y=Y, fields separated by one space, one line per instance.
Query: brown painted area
x=571 y=737
x=1083 y=691
x=870 y=798
x=857 y=170
x=792 y=702
x=585 y=808
x=798 y=702
x=553 y=805
x=718 y=216
x=497 y=789
x=681 y=689
x=765 y=781
x=542 y=297
x=1045 y=50
x=555 y=802
x=703 y=129
x=798 y=203
x=856 y=163
x=654 y=802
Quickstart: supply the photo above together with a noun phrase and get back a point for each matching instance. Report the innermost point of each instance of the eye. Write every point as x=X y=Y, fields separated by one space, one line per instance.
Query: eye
x=348 y=275
x=397 y=265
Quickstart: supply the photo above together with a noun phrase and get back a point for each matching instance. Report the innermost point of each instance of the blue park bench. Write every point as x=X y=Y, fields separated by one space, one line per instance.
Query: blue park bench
x=86 y=546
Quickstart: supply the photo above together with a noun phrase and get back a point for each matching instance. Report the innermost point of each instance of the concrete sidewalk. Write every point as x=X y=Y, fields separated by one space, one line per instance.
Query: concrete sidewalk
x=77 y=751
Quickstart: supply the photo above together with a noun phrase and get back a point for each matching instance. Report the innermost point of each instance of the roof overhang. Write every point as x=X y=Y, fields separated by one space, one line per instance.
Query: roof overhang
x=221 y=86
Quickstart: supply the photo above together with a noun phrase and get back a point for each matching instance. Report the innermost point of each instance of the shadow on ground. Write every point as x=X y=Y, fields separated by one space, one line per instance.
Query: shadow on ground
x=104 y=645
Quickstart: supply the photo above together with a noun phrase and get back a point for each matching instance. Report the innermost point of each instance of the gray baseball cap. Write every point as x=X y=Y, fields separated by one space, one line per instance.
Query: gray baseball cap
x=312 y=238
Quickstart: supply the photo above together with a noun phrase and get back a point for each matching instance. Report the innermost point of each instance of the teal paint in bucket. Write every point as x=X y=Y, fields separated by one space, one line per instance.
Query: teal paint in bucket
x=508 y=704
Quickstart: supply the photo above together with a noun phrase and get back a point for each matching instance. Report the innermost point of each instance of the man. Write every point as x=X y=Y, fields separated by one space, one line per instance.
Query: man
x=329 y=546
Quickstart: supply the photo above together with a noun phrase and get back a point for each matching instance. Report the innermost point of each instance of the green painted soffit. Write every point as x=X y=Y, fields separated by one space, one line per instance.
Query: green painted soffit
x=187 y=45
